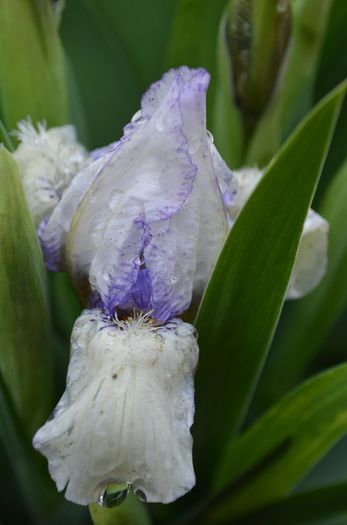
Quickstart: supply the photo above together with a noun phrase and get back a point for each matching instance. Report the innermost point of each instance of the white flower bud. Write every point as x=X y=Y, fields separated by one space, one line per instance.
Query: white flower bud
x=48 y=160
x=126 y=412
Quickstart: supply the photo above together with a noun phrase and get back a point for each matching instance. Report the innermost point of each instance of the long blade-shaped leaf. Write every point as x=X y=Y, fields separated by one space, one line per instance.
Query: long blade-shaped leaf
x=119 y=50
x=31 y=63
x=34 y=488
x=265 y=464
x=270 y=458
x=25 y=350
x=243 y=300
x=227 y=125
x=194 y=35
x=310 y=319
x=301 y=509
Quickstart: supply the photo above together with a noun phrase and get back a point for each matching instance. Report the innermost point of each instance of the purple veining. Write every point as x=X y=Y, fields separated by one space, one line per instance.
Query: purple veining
x=150 y=210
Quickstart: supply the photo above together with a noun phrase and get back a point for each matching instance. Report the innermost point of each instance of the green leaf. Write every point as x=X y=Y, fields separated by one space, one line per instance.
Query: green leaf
x=332 y=70
x=21 y=457
x=32 y=75
x=273 y=455
x=194 y=34
x=120 y=49
x=131 y=512
x=311 y=318
x=306 y=508
x=227 y=125
x=65 y=305
x=243 y=300
x=5 y=137
x=294 y=93
x=34 y=491
x=252 y=43
x=25 y=346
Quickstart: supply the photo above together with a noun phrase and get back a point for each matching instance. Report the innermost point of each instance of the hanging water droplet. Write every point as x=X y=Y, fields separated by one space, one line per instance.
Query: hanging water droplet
x=114 y=495
x=140 y=495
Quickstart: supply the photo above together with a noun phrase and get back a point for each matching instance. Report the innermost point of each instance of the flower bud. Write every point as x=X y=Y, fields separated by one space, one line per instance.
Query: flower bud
x=48 y=161
x=257 y=34
x=32 y=68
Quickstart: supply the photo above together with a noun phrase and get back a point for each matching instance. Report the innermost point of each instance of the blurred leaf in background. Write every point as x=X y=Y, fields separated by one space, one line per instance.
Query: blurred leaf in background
x=26 y=353
x=332 y=69
x=115 y=50
x=193 y=38
x=269 y=52
x=26 y=357
x=32 y=69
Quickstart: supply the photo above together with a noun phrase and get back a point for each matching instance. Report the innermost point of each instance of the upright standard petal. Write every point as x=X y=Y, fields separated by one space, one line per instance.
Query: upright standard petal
x=147 y=230
x=312 y=256
x=126 y=412
x=48 y=160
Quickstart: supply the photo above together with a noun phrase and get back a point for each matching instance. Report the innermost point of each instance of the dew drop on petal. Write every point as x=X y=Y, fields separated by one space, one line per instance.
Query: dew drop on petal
x=137 y=116
x=210 y=136
x=114 y=495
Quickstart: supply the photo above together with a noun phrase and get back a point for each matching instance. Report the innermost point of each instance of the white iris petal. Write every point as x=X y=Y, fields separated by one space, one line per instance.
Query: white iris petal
x=48 y=159
x=312 y=256
x=142 y=226
x=127 y=410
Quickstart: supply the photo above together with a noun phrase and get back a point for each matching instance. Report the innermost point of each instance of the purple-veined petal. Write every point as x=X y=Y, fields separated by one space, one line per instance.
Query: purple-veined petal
x=143 y=224
x=165 y=164
x=54 y=232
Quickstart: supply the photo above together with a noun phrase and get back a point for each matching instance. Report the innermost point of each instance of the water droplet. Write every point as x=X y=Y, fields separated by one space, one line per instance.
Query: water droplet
x=140 y=495
x=114 y=495
x=137 y=116
x=210 y=136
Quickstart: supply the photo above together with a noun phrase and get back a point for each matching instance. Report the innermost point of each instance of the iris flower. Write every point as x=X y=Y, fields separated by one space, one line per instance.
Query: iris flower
x=142 y=226
x=139 y=230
